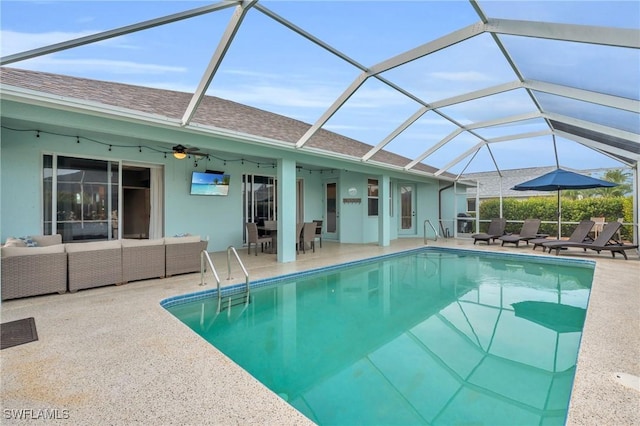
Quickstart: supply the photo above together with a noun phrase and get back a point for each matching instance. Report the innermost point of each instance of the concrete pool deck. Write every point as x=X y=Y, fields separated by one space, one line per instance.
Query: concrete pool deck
x=114 y=356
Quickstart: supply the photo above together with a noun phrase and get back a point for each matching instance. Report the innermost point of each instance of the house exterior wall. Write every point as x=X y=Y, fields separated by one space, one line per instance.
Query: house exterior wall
x=218 y=218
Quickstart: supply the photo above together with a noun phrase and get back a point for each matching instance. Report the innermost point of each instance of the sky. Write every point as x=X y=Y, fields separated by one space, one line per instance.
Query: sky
x=270 y=67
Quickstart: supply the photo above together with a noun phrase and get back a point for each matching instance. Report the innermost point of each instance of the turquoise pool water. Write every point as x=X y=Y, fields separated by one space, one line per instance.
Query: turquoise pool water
x=426 y=337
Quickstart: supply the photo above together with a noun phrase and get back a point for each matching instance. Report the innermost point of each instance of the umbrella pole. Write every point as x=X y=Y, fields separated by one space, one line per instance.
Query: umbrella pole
x=559 y=216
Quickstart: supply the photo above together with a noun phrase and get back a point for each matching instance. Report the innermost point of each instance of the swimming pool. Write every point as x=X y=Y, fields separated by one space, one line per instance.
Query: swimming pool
x=429 y=336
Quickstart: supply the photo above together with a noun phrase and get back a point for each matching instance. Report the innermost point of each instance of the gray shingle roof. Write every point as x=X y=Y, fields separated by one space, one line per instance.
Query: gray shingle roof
x=213 y=111
x=490 y=182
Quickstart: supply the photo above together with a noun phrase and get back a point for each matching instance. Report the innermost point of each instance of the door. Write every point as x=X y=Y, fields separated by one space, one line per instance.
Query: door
x=407 y=209
x=331 y=210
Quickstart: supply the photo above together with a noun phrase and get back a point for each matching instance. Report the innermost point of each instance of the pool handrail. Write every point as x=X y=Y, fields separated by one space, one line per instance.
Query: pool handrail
x=232 y=249
x=205 y=255
x=435 y=232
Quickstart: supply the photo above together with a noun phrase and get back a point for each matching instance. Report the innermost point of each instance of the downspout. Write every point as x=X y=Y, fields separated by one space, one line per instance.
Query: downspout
x=440 y=209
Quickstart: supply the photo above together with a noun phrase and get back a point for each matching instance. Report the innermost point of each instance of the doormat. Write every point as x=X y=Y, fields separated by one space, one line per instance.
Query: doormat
x=18 y=332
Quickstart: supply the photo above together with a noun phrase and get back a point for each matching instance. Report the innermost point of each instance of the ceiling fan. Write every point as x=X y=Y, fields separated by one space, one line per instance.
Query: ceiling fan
x=181 y=151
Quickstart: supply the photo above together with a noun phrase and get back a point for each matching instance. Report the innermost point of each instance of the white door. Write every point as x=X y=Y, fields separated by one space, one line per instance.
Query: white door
x=407 y=209
x=331 y=212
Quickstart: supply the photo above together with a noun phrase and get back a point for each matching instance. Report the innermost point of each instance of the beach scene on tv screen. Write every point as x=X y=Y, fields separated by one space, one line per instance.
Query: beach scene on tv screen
x=209 y=184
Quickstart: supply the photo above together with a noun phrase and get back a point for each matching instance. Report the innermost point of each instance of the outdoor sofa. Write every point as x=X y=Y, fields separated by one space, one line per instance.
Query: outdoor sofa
x=49 y=266
x=30 y=271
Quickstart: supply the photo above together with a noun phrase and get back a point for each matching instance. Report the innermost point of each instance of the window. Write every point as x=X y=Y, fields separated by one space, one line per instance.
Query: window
x=471 y=204
x=259 y=199
x=80 y=197
x=372 y=194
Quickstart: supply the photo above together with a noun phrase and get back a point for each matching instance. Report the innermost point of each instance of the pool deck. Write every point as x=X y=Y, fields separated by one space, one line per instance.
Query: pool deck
x=114 y=356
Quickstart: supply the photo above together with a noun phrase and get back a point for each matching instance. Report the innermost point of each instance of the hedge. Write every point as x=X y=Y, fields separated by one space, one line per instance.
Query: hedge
x=545 y=209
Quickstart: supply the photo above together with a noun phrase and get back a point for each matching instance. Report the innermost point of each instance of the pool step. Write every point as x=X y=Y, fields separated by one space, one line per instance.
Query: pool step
x=228 y=302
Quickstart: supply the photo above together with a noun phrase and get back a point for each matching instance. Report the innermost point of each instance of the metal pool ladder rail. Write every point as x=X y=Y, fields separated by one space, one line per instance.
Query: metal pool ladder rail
x=233 y=299
x=435 y=233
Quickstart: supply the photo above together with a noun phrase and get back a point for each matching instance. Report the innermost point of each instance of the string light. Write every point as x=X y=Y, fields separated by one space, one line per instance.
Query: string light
x=164 y=153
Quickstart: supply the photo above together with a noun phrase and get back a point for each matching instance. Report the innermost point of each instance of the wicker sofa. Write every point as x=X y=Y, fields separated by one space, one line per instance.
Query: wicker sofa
x=143 y=259
x=30 y=271
x=53 y=267
x=94 y=264
x=182 y=254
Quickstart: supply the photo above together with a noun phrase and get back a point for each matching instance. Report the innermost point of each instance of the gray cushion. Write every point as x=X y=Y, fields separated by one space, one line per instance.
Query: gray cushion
x=94 y=245
x=47 y=240
x=28 y=251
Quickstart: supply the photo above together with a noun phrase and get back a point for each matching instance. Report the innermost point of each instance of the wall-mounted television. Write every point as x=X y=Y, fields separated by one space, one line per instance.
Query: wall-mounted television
x=209 y=183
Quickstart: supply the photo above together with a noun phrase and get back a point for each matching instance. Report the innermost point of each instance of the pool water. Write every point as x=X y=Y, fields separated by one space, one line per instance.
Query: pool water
x=427 y=337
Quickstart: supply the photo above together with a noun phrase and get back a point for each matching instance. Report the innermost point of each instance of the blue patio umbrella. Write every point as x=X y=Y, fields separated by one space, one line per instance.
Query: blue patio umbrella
x=560 y=179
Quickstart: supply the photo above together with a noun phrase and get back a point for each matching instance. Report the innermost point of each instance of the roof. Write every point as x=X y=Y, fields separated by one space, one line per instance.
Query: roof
x=438 y=83
x=491 y=184
x=213 y=111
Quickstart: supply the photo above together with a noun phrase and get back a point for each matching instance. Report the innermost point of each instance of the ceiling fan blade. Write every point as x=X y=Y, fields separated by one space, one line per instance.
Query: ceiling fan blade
x=192 y=149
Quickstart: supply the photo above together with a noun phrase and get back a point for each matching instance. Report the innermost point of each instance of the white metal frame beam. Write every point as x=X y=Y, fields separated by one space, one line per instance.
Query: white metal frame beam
x=6 y=60
x=440 y=104
x=504 y=120
x=434 y=148
x=216 y=59
x=408 y=56
x=620 y=37
x=489 y=141
x=622 y=134
x=584 y=95
x=604 y=149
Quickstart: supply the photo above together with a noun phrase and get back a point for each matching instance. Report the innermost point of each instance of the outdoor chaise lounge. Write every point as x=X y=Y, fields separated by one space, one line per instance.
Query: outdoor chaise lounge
x=604 y=242
x=528 y=232
x=495 y=231
x=579 y=235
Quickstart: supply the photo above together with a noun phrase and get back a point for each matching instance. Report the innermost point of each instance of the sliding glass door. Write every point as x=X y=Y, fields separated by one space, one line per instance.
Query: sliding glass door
x=80 y=198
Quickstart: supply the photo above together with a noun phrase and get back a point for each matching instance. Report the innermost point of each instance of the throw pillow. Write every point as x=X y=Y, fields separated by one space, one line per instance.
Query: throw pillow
x=28 y=241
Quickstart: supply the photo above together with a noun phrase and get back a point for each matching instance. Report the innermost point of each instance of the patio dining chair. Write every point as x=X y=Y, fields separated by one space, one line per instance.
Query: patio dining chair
x=318 y=230
x=308 y=236
x=255 y=239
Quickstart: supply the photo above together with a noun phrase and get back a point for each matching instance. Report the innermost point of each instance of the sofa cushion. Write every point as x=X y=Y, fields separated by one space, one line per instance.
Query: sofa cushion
x=92 y=246
x=14 y=242
x=27 y=251
x=47 y=240
x=141 y=243
x=181 y=240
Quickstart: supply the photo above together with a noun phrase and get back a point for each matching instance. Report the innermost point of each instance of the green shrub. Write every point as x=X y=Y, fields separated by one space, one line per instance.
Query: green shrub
x=545 y=209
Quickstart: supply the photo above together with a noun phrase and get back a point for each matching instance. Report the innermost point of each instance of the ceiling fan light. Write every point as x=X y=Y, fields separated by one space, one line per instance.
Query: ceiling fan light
x=179 y=155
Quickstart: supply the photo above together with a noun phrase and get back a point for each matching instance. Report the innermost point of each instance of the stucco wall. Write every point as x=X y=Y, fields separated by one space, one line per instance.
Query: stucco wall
x=218 y=218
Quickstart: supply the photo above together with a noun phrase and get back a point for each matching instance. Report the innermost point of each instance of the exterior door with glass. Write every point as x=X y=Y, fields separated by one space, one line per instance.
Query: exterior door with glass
x=331 y=213
x=407 y=209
